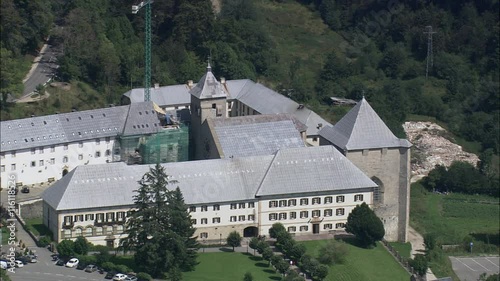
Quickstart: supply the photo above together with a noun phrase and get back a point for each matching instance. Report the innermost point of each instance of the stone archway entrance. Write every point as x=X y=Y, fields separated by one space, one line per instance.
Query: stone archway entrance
x=250 y=231
x=64 y=172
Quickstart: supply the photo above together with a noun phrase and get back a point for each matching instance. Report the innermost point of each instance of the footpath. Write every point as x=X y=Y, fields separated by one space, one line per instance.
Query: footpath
x=418 y=247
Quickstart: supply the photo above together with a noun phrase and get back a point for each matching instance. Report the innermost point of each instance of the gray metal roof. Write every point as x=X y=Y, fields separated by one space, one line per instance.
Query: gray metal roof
x=362 y=128
x=163 y=96
x=239 y=136
x=77 y=126
x=317 y=169
x=295 y=170
x=208 y=87
x=62 y=128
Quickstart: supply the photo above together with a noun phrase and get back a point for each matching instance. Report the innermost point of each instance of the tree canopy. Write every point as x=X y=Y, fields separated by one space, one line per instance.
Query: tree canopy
x=363 y=223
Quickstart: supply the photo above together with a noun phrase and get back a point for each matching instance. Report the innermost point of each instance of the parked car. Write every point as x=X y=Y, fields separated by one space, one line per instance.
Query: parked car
x=55 y=257
x=18 y=263
x=72 y=262
x=110 y=274
x=25 y=189
x=131 y=278
x=60 y=262
x=32 y=258
x=3 y=265
x=81 y=266
x=90 y=268
x=24 y=259
x=119 y=277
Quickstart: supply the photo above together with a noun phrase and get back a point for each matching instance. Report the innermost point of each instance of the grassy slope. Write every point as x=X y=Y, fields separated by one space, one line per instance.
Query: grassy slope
x=230 y=267
x=362 y=264
x=37 y=227
x=404 y=249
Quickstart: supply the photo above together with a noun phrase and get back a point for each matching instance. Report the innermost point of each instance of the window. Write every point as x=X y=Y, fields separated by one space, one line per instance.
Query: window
x=80 y=156
x=340 y=199
x=193 y=221
x=107 y=139
x=33 y=151
x=204 y=235
x=89 y=217
x=78 y=218
x=68 y=220
x=251 y=204
x=119 y=229
x=67 y=233
x=232 y=219
x=97 y=141
x=292 y=202
x=33 y=163
x=97 y=154
x=204 y=208
x=215 y=220
x=304 y=214
x=340 y=211
x=2 y=168
x=65 y=159
x=241 y=206
x=273 y=204
x=110 y=216
x=316 y=213
x=293 y=215
x=117 y=151
x=108 y=152
x=251 y=217
x=80 y=144
x=88 y=231
x=358 y=197
x=53 y=148
x=98 y=230
x=327 y=226
x=292 y=229
x=100 y=217
x=328 y=212
x=233 y=206
x=120 y=216
x=241 y=218
x=13 y=154
x=65 y=147
x=216 y=207
x=282 y=203
x=2 y=155
x=13 y=167
x=273 y=216
x=41 y=150
x=304 y=228
x=340 y=225
x=192 y=209
x=304 y=201
x=328 y=199
x=316 y=200
x=40 y=163
x=109 y=230
x=282 y=216
x=204 y=221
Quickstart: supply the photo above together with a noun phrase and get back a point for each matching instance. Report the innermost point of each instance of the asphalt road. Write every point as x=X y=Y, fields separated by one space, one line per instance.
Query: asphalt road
x=46 y=270
x=470 y=268
x=44 y=71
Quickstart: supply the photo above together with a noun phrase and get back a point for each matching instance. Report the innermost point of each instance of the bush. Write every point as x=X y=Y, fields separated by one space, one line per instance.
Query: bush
x=108 y=266
x=430 y=241
x=419 y=263
x=122 y=268
x=44 y=241
x=87 y=259
x=333 y=252
x=142 y=276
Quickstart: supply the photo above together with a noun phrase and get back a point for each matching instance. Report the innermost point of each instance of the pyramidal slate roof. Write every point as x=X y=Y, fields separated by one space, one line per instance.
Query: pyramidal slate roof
x=362 y=128
x=292 y=170
x=208 y=87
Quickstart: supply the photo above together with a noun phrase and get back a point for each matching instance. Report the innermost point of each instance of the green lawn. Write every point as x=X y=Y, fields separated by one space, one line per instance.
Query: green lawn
x=37 y=227
x=230 y=267
x=362 y=264
x=5 y=235
x=452 y=217
x=404 y=249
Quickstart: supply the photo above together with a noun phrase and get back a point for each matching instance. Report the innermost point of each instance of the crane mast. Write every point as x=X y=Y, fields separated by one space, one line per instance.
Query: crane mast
x=147 y=49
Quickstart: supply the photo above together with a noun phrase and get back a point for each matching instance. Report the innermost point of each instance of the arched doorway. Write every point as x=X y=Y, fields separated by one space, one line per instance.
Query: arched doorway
x=378 y=192
x=65 y=171
x=250 y=231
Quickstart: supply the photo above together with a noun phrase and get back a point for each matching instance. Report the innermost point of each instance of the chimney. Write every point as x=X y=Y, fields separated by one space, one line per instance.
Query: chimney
x=190 y=83
x=223 y=80
x=157 y=85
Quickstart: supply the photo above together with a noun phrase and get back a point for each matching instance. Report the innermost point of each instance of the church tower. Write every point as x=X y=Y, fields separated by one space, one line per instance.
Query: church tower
x=366 y=141
x=208 y=100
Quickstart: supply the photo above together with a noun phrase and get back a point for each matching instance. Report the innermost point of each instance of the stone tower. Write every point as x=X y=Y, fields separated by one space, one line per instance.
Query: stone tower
x=208 y=100
x=363 y=138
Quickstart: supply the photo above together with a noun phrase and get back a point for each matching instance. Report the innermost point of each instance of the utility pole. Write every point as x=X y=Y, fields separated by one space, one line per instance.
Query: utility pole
x=147 y=49
x=430 y=56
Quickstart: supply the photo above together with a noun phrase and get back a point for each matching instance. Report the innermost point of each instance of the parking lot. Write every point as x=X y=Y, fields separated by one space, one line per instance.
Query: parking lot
x=46 y=270
x=470 y=268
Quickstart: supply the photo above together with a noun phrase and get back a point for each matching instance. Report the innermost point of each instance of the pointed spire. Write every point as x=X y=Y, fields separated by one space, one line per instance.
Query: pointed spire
x=209 y=67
